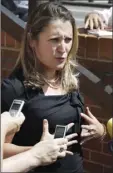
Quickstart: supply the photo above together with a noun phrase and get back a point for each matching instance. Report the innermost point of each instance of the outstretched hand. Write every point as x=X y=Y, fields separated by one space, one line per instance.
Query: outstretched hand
x=93 y=129
x=47 y=136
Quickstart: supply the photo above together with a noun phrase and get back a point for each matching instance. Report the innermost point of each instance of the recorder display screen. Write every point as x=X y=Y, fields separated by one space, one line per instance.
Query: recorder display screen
x=59 y=132
x=15 y=106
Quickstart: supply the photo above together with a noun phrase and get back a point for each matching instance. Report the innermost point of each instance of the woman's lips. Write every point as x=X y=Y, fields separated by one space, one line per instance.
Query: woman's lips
x=60 y=59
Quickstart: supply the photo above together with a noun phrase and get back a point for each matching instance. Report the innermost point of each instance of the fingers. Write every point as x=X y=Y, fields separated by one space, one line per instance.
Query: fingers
x=93 y=20
x=87 y=134
x=13 y=123
x=45 y=126
x=61 y=141
x=71 y=136
x=86 y=23
x=101 y=24
x=91 y=24
x=69 y=126
x=72 y=142
x=88 y=127
x=90 y=117
x=63 y=152
x=5 y=114
x=96 y=22
x=69 y=152
x=88 y=131
x=89 y=113
x=20 y=119
x=87 y=118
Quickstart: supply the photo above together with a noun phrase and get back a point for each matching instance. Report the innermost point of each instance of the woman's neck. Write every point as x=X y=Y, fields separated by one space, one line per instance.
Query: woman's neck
x=50 y=75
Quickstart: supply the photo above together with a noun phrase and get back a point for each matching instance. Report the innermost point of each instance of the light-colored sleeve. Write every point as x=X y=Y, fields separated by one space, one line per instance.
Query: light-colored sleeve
x=106 y=15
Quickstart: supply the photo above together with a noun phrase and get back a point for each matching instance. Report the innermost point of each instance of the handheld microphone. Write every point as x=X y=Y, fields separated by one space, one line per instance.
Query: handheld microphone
x=110 y=127
x=110 y=131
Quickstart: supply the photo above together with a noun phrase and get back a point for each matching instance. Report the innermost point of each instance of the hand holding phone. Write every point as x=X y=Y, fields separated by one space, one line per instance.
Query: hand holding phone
x=14 y=111
x=16 y=107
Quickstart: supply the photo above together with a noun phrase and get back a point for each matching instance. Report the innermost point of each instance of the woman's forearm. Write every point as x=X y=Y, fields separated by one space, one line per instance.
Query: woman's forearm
x=3 y=134
x=11 y=149
x=22 y=162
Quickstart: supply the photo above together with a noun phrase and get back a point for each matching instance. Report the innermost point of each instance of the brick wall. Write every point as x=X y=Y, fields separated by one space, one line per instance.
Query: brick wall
x=9 y=53
x=95 y=56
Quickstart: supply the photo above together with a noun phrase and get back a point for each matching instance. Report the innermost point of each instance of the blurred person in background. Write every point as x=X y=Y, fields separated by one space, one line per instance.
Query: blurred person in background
x=99 y=19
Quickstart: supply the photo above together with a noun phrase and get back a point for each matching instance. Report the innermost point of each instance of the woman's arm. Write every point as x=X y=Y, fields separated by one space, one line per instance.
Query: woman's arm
x=3 y=134
x=105 y=14
x=19 y=163
x=11 y=149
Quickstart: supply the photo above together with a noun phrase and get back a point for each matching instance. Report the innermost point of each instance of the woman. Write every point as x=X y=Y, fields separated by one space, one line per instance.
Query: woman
x=45 y=78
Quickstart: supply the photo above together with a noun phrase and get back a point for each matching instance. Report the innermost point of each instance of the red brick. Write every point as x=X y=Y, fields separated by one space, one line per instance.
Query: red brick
x=82 y=46
x=82 y=31
x=99 y=68
x=10 y=53
x=17 y=45
x=5 y=73
x=3 y=37
x=86 y=154
x=107 y=138
x=99 y=113
x=108 y=79
x=92 y=47
x=8 y=63
x=101 y=158
x=108 y=169
x=92 y=167
x=10 y=41
x=105 y=148
x=105 y=48
x=93 y=144
x=8 y=59
x=88 y=101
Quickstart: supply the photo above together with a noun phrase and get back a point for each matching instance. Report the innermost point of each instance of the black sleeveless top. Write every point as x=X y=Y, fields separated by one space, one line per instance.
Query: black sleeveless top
x=57 y=109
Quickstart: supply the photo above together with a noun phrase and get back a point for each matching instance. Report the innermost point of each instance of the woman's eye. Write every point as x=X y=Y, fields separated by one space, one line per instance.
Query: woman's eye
x=67 y=40
x=55 y=39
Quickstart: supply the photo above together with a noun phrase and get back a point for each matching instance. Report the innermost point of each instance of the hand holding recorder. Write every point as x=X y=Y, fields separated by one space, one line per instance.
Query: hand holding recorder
x=13 y=119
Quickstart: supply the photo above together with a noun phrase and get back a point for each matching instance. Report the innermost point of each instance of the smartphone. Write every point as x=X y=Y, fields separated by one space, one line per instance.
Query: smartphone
x=60 y=131
x=16 y=107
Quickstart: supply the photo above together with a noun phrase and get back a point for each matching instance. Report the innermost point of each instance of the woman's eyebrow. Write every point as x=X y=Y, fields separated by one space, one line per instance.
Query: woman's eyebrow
x=60 y=36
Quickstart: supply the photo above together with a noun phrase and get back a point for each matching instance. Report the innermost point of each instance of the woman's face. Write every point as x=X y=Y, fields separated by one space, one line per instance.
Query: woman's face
x=54 y=44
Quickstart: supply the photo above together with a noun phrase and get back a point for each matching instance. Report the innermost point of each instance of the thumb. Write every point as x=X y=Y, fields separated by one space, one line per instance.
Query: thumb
x=20 y=119
x=89 y=113
x=69 y=126
x=45 y=126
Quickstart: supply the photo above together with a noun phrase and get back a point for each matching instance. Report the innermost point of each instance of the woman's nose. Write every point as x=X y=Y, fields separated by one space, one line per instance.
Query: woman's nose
x=61 y=47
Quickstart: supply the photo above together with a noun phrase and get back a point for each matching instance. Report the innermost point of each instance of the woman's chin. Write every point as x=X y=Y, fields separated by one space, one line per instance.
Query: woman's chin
x=60 y=66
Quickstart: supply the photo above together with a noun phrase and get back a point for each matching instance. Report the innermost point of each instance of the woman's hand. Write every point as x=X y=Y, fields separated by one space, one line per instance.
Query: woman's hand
x=94 y=129
x=94 y=21
x=48 y=151
x=11 y=124
x=47 y=136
